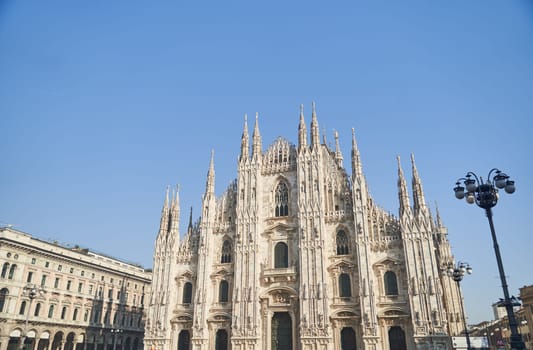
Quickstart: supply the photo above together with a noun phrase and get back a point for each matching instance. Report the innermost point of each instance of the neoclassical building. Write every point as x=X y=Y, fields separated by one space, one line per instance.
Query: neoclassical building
x=295 y=254
x=54 y=297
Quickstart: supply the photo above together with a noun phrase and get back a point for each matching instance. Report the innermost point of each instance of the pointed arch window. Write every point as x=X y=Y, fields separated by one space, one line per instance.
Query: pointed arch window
x=345 y=288
x=223 y=289
x=391 y=283
x=187 y=293
x=282 y=200
x=226 y=252
x=342 y=243
x=281 y=255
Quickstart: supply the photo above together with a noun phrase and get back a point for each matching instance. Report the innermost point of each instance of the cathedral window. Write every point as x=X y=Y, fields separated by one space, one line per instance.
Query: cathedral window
x=282 y=200
x=391 y=283
x=281 y=255
x=226 y=252
x=223 y=292
x=187 y=293
x=345 y=288
x=342 y=243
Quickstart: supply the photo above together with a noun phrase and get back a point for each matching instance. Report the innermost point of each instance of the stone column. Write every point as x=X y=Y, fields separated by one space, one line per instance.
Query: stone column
x=4 y=341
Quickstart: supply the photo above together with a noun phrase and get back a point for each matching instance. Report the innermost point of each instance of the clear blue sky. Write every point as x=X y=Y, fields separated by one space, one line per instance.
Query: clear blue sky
x=103 y=104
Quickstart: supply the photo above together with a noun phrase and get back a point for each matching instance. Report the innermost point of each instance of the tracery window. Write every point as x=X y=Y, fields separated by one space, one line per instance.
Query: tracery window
x=281 y=255
x=223 y=291
x=391 y=283
x=345 y=288
x=187 y=293
x=282 y=200
x=342 y=243
x=226 y=252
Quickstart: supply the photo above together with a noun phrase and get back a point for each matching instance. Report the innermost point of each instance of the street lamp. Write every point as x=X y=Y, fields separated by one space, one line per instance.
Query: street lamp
x=115 y=332
x=457 y=272
x=31 y=291
x=485 y=195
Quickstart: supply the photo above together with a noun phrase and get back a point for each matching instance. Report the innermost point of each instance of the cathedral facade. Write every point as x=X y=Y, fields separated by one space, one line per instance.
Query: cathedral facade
x=295 y=254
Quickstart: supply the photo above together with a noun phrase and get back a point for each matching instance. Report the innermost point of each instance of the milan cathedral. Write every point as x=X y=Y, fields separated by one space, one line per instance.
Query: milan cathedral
x=295 y=254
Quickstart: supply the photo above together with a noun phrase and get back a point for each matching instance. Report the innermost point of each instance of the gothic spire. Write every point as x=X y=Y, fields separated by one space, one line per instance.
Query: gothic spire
x=302 y=131
x=189 y=228
x=402 y=190
x=163 y=226
x=419 y=202
x=210 y=183
x=256 y=146
x=245 y=145
x=356 y=158
x=439 y=220
x=315 y=132
x=175 y=212
x=338 y=154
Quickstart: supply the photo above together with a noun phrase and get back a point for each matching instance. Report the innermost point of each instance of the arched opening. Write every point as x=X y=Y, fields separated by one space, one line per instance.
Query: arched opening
x=397 y=339
x=221 y=341
x=13 y=343
x=345 y=288
x=136 y=344
x=3 y=294
x=281 y=200
x=391 y=283
x=281 y=331
x=184 y=340
x=43 y=343
x=56 y=343
x=223 y=292
x=348 y=339
x=12 y=271
x=226 y=252
x=37 y=310
x=4 y=270
x=187 y=293
x=281 y=255
x=342 y=243
x=69 y=344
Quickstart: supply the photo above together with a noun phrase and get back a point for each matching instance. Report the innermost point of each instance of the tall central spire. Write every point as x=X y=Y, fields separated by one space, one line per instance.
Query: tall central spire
x=356 y=158
x=419 y=202
x=315 y=132
x=245 y=145
x=256 y=146
x=302 y=130
x=403 y=195
x=210 y=183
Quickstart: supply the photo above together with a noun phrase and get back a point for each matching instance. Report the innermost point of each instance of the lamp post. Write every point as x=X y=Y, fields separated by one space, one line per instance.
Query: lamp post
x=115 y=331
x=457 y=272
x=31 y=291
x=485 y=195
